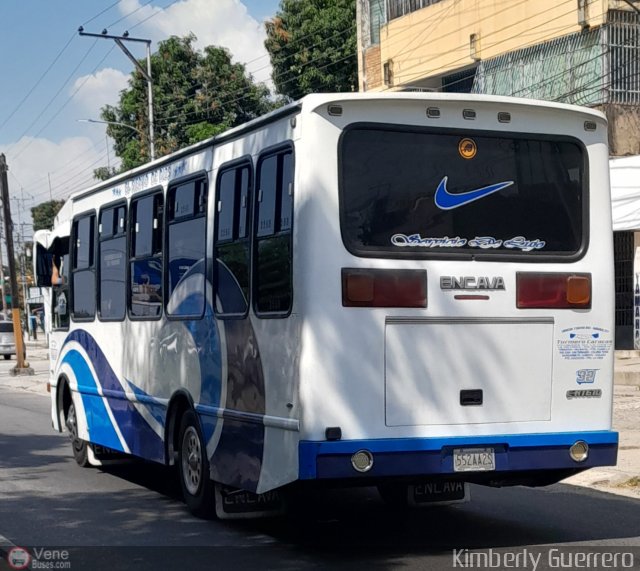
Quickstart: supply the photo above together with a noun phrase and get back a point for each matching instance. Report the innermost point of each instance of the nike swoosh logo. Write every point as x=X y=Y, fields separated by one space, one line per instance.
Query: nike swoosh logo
x=447 y=201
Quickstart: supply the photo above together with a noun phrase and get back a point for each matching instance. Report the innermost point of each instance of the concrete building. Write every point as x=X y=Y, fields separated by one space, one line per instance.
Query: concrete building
x=585 y=52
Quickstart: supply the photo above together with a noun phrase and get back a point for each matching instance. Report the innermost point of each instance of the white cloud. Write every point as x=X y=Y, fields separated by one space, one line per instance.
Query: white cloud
x=99 y=89
x=69 y=163
x=215 y=22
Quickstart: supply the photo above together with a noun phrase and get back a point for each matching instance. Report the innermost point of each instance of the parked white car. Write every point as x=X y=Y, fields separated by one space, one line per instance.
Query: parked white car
x=7 y=339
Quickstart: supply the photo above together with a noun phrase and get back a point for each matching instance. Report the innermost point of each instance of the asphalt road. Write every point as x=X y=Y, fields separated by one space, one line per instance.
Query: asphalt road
x=131 y=517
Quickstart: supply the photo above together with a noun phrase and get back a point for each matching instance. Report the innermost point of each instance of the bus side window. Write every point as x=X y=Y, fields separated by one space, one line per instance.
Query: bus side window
x=186 y=248
x=112 y=263
x=83 y=284
x=232 y=241
x=145 y=257
x=274 y=220
x=60 y=287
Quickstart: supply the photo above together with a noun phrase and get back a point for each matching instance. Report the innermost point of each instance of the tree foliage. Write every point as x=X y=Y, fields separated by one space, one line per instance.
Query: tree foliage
x=312 y=45
x=104 y=173
x=195 y=95
x=43 y=214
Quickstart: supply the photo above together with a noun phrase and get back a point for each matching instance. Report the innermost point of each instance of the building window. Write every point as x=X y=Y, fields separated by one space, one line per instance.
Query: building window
x=145 y=257
x=83 y=274
x=274 y=217
x=186 y=242
x=376 y=20
x=112 y=263
x=232 y=241
x=387 y=73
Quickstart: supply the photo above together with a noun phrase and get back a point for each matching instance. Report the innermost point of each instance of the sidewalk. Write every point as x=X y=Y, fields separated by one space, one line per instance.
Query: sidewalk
x=627 y=368
x=623 y=479
x=38 y=360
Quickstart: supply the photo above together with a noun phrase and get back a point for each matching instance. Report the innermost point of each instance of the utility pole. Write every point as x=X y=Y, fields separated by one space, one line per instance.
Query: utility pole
x=23 y=274
x=145 y=73
x=2 y=299
x=21 y=367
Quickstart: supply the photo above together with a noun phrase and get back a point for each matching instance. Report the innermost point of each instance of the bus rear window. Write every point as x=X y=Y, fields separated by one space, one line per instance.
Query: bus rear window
x=410 y=193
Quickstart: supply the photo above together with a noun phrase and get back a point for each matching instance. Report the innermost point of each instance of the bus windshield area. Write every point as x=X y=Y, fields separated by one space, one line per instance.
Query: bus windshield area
x=409 y=192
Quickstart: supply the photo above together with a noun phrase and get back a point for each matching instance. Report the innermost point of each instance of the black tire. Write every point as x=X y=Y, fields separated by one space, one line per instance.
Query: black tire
x=6 y=357
x=80 y=447
x=193 y=468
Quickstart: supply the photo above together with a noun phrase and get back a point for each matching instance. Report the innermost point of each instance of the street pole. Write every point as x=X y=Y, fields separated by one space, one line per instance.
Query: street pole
x=146 y=73
x=23 y=271
x=2 y=300
x=21 y=367
x=152 y=146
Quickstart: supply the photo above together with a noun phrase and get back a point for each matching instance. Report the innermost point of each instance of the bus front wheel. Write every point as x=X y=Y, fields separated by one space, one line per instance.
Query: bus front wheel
x=79 y=446
x=193 y=466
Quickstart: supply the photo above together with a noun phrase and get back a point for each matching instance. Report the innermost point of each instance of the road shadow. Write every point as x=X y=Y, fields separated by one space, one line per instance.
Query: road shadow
x=31 y=450
x=358 y=518
x=137 y=504
x=356 y=521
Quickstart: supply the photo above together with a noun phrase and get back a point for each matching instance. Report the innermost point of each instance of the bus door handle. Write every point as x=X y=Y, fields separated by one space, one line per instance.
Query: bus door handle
x=471 y=397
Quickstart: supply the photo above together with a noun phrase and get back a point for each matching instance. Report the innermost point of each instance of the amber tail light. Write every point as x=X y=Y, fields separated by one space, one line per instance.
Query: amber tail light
x=539 y=290
x=384 y=288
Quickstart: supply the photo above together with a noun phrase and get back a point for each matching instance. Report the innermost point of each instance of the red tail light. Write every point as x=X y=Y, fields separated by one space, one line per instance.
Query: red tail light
x=384 y=288
x=553 y=291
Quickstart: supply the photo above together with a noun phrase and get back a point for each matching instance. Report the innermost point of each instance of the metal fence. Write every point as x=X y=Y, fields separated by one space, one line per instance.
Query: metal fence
x=623 y=40
x=398 y=8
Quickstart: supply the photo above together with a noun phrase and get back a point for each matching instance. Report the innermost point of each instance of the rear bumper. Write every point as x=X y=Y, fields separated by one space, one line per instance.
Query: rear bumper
x=411 y=457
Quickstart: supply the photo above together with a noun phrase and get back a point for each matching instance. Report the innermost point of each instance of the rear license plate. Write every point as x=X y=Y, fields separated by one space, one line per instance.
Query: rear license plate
x=474 y=459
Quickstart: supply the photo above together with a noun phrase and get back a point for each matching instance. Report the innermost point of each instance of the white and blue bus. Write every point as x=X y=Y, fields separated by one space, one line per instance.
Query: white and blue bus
x=413 y=291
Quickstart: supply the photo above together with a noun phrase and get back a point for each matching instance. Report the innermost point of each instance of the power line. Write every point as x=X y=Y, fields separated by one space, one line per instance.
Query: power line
x=61 y=167
x=64 y=104
x=464 y=59
x=52 y=64
x=129 y=14
x=46 y=107
x=154 y=14
x=37 y=83
x=100 y=13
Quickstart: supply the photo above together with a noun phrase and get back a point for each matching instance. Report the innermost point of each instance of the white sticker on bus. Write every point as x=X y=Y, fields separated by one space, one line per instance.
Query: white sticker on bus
x=584 y=342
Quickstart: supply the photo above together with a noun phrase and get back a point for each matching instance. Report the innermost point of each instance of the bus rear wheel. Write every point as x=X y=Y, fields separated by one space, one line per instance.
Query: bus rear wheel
x=80 y=447
x=193 y=467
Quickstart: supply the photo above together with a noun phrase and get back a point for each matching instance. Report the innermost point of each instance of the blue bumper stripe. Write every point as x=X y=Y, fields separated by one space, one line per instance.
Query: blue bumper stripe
x=432 y=456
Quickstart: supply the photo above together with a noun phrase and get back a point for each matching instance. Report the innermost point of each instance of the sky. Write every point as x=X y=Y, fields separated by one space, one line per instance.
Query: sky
x=53 y=78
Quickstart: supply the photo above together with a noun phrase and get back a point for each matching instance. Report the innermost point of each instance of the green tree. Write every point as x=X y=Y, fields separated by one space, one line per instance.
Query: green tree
x=43 y=214
x=195 y=95
x=312 y=46
x=104 y=173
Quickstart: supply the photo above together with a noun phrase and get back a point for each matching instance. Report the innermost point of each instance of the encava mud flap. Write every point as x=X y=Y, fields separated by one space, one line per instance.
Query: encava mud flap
x=232 y=503
x=438 y=493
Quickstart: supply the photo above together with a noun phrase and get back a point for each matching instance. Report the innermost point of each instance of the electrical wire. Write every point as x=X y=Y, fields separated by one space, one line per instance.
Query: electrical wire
x=38 y=82
x=100 y=13
x=68 y=100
